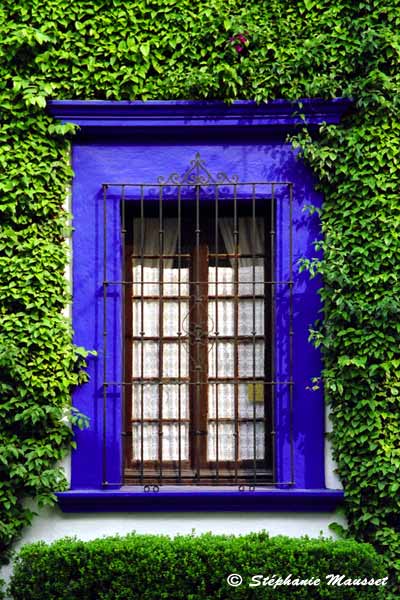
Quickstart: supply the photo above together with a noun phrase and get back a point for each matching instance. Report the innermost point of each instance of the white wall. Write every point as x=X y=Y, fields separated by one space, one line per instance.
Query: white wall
x=51 y=524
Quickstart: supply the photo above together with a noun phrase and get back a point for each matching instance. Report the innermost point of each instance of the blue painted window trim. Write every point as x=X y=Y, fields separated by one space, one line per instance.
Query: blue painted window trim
x=190 y=500
x=97 y=119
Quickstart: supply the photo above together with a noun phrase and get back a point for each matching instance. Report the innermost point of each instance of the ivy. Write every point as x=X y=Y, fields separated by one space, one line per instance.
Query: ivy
x=215 y=50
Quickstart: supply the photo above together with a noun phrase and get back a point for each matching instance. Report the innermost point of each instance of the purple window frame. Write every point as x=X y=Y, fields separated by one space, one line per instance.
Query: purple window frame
x=107 y=120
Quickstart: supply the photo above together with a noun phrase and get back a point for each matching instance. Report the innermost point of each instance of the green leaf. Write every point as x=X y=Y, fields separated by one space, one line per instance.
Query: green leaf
x=145 y=50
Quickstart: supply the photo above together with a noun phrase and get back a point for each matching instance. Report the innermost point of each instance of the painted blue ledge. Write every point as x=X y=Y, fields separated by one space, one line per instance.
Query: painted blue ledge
x=92 y=114
x=190 y=499
x=243 y=138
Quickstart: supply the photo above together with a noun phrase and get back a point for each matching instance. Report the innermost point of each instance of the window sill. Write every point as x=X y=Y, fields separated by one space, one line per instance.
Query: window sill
x=173 y=499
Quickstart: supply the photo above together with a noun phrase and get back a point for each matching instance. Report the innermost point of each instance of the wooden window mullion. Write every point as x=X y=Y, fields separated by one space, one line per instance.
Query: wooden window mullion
x=199 y=356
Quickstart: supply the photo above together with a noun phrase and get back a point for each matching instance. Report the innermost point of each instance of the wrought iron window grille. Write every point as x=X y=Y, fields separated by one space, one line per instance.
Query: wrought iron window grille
x=198 y=289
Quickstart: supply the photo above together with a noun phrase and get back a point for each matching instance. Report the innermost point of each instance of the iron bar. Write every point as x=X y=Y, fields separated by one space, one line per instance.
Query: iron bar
x=211 y=255
x=253 y=216
x=242 y=338
x=291 y=332
x=160 y=331
x=210 y=379
x=236 y=242
x=272 y=340
x=150 y=297
x=123 y=299
x=187 y=420
x=191 y=184
x=216 y=336
x=142 y=332
x=105 y=386
x=197 y=407
x=179 y=242
x=198 y=340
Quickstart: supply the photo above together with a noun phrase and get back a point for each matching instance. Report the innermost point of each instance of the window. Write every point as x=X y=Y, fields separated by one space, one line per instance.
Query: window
x=198 y=316
x=227 y=365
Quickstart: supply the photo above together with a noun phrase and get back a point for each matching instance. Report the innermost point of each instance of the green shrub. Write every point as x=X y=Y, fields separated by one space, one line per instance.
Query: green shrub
x=193 y=568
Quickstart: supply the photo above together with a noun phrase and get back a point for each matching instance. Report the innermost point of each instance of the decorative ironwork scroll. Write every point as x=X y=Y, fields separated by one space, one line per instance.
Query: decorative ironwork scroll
x=198 y=174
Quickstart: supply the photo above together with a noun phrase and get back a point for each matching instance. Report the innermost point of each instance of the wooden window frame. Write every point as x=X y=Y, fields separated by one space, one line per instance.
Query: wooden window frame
x=197 y=468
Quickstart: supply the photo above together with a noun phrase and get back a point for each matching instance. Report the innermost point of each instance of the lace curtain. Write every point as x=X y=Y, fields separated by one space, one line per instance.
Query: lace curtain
x=175 y=397
x=250 y=358
x=147 y=278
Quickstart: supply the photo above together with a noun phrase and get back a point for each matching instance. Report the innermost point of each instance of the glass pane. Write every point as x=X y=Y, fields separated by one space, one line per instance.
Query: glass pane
x=151 y=318
x=251 y=359
x=225 y=285
x=171 y=362
x=226 y=441
x=249 y=395
x=150 y=401
x=172 y=285
x=171 y=317
x=150 y=441
x=170 y=441
x=225 y=352
x=226 y=317
x=246 y=441
x=249 y=311
x=226 y=400
x=171 y=399
x=246 y=275
x=150 y=359
x=150 y=278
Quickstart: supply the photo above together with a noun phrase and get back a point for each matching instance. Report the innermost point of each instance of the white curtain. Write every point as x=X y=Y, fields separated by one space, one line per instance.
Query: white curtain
x=250 y=238
x=146 y=241
x=146 y=281
x=146 y=278
x=250 y=241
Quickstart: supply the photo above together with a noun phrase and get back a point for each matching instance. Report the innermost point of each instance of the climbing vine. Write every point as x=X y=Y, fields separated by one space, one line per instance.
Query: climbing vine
x=220 y=49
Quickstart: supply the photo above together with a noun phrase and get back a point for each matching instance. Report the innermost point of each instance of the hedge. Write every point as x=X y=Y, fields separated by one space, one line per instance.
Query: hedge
x=152 y=567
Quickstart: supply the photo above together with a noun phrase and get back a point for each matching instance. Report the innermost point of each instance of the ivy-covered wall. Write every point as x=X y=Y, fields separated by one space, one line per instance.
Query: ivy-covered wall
x=220 y=49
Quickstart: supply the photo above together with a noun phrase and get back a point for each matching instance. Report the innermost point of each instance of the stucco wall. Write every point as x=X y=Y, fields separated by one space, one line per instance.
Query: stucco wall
x=51 y=524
